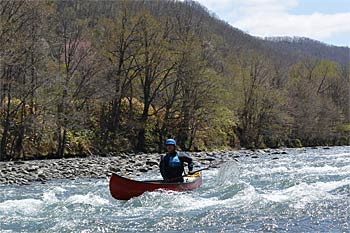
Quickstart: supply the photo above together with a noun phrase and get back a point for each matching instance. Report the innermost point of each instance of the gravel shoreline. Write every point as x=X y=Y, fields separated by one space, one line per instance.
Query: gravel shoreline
x=27 y=172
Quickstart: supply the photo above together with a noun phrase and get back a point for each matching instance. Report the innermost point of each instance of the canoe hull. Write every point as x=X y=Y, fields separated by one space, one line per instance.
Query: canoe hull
x=123 y=188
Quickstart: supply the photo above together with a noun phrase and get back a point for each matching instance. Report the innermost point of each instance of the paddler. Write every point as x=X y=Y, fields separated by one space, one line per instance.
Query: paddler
x=172 y=163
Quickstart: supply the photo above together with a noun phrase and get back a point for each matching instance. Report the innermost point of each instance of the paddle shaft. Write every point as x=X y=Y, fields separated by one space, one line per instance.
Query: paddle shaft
x=193 y=172
x=202 y=169
x=206 y=168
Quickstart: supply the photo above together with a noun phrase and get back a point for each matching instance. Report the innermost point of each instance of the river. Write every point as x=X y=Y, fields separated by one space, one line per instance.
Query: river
x=306 y=190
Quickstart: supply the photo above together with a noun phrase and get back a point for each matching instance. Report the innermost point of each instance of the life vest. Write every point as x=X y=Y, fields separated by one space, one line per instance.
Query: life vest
x=174 y=161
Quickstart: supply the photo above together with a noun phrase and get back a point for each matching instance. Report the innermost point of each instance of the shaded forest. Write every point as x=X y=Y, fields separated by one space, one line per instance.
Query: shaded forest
x=95 y=77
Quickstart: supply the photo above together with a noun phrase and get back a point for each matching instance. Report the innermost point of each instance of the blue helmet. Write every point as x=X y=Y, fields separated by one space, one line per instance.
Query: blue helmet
x=170 y=142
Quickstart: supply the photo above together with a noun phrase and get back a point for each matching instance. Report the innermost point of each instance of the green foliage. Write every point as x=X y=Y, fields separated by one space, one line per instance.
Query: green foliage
x=344 y=128
x=86 y=77
x=219 y=132
x=295 y=143
x=79 y=142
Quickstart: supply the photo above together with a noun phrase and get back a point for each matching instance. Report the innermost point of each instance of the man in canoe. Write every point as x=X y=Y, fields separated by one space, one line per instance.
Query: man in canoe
x=172 y=163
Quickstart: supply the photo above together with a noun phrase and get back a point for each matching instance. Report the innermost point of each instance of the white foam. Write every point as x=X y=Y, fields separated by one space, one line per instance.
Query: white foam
x=28 y=206
x=50 y=198
x=25 y=206
x=170 y=200
x=323 y=169
x=244 y=197
x=303 y=193
x=88 y=199
x=327 y=170
x=347 y=154
x=193 y=203
x=58 y=189
x=276 y=170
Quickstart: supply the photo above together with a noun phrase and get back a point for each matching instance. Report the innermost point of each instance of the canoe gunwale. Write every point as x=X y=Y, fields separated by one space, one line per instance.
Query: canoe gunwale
x=162 y=182
x=123 y=188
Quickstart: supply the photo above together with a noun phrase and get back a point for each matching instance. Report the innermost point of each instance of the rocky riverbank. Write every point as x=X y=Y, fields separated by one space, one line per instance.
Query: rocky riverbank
x=26 y=172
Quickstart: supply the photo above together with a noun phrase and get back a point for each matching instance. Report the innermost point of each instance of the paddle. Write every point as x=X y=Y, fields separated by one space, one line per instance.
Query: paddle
x=202 y=169
x=194 y=172
x=206 y=168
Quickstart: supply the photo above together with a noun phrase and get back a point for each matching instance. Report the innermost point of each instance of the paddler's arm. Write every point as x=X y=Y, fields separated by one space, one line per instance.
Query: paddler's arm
x=162 y=167
x=185 y=158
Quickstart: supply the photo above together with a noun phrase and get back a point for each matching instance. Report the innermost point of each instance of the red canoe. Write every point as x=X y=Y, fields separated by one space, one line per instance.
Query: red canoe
x=124 y=189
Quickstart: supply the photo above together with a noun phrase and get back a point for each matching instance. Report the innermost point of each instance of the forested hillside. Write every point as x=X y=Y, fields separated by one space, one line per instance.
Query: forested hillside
x=94 y=77
x=304 y=47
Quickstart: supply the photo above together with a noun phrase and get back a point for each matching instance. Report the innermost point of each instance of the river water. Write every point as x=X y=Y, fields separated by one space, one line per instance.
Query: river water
x=306 y=190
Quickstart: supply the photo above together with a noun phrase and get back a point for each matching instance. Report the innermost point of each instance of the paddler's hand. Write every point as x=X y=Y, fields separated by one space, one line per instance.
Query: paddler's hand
x=190 y=167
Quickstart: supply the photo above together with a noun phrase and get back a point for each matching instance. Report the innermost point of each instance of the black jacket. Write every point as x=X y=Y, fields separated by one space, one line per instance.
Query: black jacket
x=171 y=167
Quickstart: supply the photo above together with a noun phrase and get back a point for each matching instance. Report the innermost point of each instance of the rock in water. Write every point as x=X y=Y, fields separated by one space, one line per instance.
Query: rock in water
x=151 y=163
x=143 y=169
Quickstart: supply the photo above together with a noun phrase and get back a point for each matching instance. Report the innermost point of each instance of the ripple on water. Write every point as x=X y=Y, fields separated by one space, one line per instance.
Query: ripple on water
x=303 y=191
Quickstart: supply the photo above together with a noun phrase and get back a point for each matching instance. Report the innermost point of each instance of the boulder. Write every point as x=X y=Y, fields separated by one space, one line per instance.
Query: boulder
x=42 y=176
x=152 y=162
x=32 y=168
x=129 y=169
x=114 y=169
x=19 y=162
x=143 y=169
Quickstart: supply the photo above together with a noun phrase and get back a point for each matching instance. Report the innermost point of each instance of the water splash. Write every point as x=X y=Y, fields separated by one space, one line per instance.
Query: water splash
x=302 y=191
x=228 y=173
x=88 y=199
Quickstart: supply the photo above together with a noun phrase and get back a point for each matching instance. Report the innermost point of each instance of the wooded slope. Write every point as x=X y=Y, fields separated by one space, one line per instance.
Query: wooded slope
x=89 y=77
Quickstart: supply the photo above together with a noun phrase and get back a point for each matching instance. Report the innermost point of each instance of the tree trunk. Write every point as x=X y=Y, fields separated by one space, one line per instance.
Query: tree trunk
x=185 y=123
x=142 y=131
x=3 y=149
